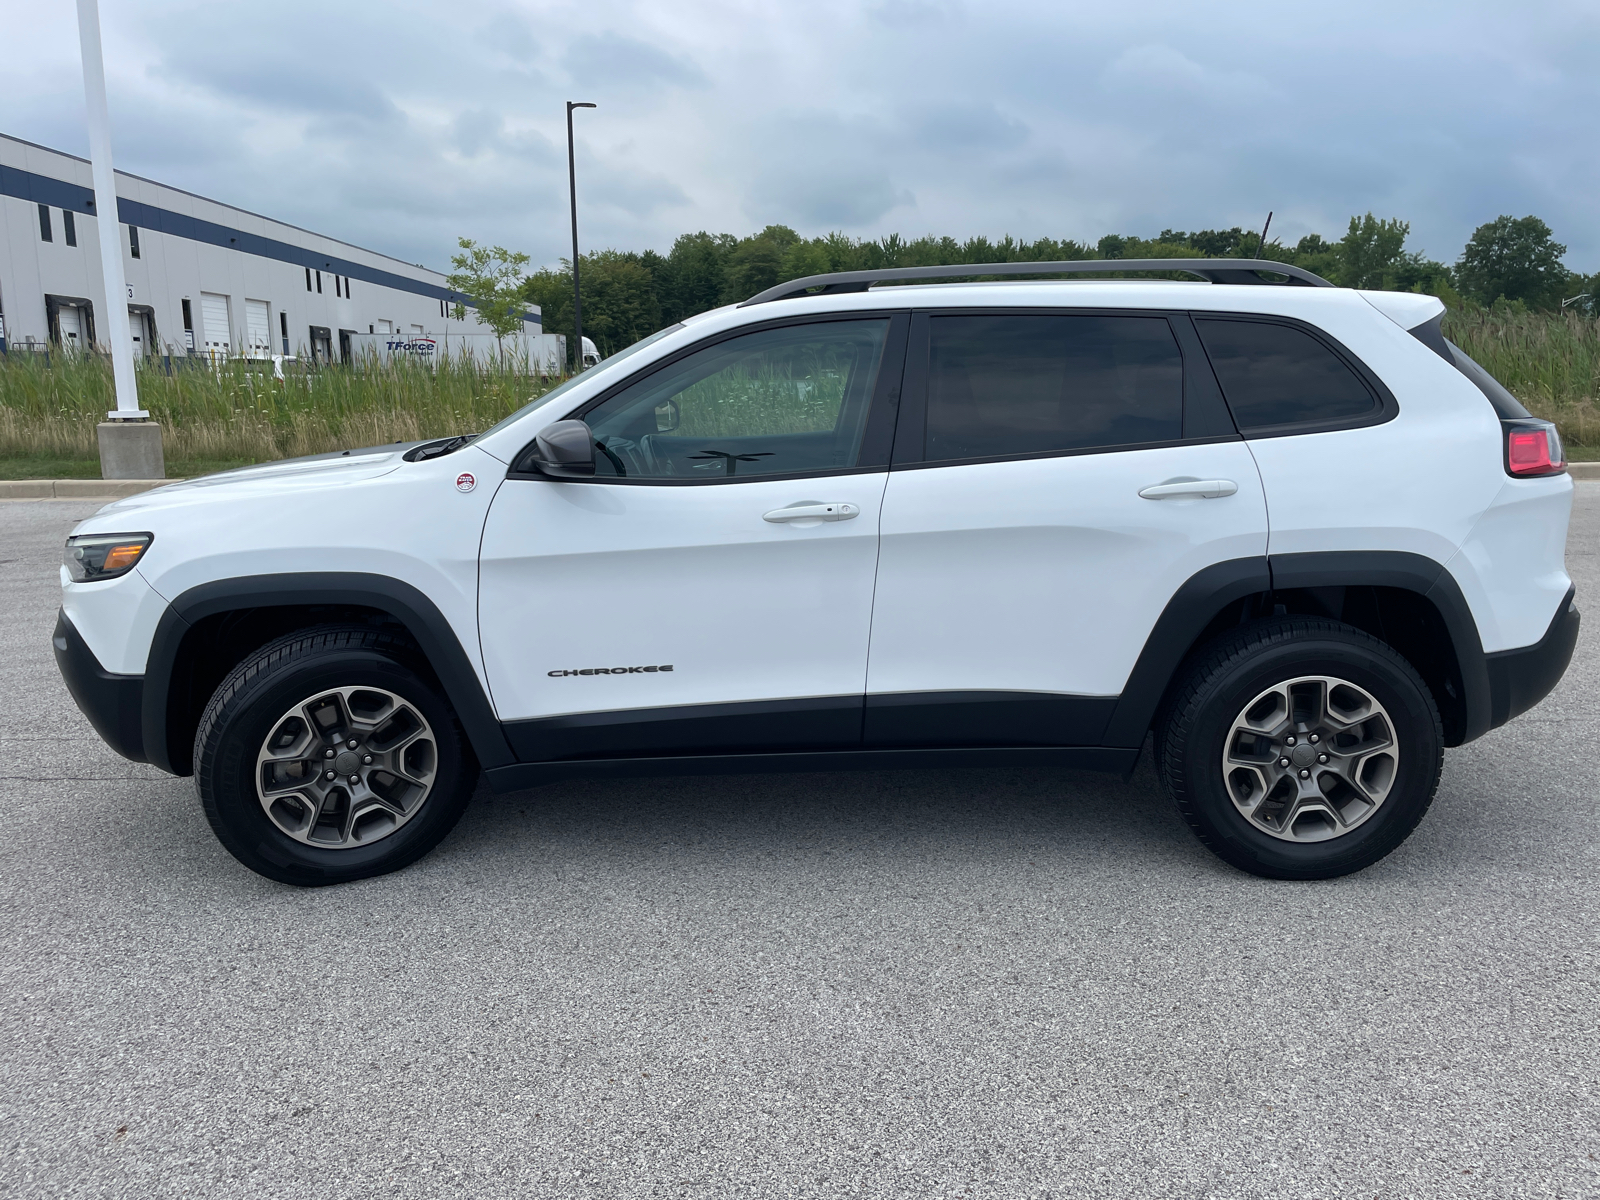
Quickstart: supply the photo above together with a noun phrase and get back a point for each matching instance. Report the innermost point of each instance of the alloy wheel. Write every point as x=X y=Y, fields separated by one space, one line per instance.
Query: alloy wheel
x=1310 y=759
x=346 y=767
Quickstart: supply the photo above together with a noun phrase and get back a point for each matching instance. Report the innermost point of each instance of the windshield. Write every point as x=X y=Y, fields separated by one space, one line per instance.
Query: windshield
x=555 y=392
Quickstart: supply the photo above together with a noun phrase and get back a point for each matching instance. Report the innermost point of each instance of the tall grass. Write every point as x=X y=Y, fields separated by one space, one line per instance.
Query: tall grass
x=1549 y=361
x=239 y=413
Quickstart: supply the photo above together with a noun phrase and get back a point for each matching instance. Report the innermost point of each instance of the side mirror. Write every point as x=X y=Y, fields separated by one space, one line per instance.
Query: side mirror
x=564 y=450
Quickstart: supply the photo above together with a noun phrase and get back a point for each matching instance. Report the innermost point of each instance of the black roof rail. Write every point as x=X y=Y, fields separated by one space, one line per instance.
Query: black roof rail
x=1212 y=270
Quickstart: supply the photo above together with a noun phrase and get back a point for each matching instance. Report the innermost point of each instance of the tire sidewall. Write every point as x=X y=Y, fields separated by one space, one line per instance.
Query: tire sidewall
x=1225 y=694
x=226 y=777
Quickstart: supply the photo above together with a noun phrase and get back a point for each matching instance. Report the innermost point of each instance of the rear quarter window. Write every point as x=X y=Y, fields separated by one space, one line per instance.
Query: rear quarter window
x=1277 y=376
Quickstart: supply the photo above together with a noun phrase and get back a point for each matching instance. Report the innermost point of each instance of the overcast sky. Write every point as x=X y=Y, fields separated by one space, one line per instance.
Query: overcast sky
x=401 y=126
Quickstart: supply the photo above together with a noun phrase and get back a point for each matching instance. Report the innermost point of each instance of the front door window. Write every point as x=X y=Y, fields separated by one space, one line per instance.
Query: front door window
x=779 y=401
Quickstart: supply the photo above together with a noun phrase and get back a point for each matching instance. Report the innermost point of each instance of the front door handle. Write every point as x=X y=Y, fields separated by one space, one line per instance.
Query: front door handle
x=810 y=511
x=1190 y=489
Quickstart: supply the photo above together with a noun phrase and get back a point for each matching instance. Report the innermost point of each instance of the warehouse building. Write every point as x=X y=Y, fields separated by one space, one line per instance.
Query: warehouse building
x=203 y=277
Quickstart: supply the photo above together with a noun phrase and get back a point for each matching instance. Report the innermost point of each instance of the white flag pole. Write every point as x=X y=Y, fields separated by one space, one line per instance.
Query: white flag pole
x=105 y=204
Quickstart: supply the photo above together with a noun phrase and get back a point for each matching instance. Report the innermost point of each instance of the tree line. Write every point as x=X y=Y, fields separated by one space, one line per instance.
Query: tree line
x=1509 y=263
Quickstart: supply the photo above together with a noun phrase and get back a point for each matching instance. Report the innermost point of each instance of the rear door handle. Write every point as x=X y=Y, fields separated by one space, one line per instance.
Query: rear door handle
x=1190 y=489
x=812 y=512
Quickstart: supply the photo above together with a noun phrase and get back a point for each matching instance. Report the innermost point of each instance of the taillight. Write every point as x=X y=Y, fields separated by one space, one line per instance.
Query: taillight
x=1533 y=447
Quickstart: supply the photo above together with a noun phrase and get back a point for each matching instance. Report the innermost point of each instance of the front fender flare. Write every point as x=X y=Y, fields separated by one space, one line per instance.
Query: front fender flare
x=407 y=605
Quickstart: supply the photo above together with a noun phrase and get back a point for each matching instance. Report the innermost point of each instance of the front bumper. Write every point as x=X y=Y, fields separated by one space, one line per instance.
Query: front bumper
x=113 y=703
x=1519 y=679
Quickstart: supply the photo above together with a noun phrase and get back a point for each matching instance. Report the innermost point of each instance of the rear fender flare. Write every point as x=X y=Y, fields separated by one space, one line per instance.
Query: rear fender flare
x=1207 y=593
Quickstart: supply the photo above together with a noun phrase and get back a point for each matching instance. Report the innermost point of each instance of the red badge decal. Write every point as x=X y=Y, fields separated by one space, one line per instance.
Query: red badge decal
x=465 y=482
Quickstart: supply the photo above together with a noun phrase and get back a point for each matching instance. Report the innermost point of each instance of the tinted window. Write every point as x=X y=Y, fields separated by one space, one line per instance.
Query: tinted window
x=1279 y=375
x=1008 y=384
x=781 y=400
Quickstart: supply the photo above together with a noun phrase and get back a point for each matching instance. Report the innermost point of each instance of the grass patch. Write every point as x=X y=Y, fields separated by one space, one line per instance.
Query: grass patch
x=213 y=419
x=1549 y=361
x=239 y=414
x=48 y=467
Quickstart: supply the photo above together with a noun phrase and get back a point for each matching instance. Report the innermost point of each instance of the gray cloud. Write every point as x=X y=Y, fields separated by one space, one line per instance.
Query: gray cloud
x=618 y=61
x=402 y=126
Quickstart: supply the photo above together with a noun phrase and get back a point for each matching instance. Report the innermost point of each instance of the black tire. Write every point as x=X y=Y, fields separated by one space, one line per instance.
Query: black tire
x=1227 y=675
x=241 y=715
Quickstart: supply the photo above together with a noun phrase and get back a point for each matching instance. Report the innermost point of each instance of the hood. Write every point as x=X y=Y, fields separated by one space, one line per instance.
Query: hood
x=268 y=479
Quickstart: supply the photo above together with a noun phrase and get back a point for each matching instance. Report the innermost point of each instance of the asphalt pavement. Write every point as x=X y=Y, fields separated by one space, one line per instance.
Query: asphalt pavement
x=922 y=984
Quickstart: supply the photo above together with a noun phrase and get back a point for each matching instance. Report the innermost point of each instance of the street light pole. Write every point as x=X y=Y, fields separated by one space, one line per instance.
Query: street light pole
x=105 y=204
x=572 y=181
x=130 y=443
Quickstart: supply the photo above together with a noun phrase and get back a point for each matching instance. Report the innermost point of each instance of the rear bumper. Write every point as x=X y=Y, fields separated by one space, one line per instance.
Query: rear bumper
x=1519 y=679
x=113 y=703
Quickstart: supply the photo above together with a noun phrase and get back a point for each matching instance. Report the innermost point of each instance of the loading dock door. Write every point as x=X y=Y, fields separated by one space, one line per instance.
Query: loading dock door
x=71 y=322
x=214 y=318
x=138 y=325
x=321 y=344
x=258 y=329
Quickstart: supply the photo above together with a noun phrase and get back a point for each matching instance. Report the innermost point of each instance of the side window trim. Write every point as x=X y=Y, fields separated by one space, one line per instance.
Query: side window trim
x=910 y=438
x=882 y=408
x=1206 y=415
x=910 y=444
x=1386 y=408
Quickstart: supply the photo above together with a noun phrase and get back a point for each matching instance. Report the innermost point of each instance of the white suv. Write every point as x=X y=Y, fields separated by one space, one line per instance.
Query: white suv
x=1288 y=528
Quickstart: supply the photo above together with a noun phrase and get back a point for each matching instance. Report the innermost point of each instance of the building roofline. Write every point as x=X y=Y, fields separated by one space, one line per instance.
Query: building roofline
x=223 y=204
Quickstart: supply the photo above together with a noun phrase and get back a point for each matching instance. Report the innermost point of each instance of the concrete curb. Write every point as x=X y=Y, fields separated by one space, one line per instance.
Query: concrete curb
x=1584 y=470
x=76 y=489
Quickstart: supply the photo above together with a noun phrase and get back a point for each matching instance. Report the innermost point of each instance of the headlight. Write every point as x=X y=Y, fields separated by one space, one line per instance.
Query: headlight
x=96 y=556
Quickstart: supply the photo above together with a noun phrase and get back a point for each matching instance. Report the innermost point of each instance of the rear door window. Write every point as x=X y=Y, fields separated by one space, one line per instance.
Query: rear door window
x=1277 y=375
x=1012 y=384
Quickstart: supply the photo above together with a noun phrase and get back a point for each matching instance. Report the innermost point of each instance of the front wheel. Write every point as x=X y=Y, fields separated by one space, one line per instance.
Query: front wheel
x=1301 y=748
x=329 y=756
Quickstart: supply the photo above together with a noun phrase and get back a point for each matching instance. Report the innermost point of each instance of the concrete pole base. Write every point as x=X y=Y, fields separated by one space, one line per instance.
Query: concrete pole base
x=131 y=450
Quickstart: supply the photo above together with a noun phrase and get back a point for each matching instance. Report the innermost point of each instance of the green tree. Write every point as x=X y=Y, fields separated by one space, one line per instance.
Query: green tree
x=619 y=300
x=490 y=277
x=1415 y=273
x=1515 y=258
x=620 y=304
x=806 y=258
x=551 y=290
x=1113 y=245
x=693 y=279
x=1369 y=250
x=756 y=263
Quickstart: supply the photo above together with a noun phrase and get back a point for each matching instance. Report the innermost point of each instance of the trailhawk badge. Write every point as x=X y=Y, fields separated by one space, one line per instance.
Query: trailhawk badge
x=465 y=482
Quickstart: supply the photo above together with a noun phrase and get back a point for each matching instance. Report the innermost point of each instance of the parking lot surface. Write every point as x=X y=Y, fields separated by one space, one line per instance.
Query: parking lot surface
x=922 y=984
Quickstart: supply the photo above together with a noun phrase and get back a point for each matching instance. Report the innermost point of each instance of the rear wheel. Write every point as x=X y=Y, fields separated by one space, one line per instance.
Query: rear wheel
x=328 y=756
x=1301 y=748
